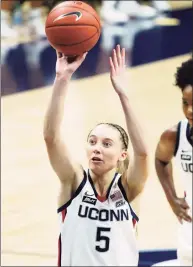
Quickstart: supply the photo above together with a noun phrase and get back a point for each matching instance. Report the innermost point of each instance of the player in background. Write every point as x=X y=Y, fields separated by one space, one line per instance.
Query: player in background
x=177 y=142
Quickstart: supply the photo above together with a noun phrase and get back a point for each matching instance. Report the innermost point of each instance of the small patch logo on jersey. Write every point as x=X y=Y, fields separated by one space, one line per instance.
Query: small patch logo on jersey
x=116 y=196
x=78 y=15
x=119 y=203
x=186 y=157
x=89 y=200
x=88 y=194
x=185 y=151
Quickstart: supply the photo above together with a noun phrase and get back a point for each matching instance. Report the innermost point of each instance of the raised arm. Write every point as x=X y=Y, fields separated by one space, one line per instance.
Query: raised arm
x=66 y=169
x=135 y=177
x=163 y=164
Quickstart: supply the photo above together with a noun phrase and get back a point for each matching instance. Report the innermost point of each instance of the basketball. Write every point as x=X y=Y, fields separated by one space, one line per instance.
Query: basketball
x=73 y=27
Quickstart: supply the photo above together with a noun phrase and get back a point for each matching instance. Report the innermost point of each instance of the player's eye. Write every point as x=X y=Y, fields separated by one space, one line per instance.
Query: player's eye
x=107 y=144
x=92 y=142
x=185 y=103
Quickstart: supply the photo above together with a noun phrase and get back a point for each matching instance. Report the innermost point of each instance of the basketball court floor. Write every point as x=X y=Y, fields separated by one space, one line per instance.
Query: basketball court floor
x=29 y=186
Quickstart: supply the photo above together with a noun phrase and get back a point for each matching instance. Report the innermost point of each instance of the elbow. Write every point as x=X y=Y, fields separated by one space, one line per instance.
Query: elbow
x=49 y=137
x=50 y=134
x=46 y=135
x=144 y=154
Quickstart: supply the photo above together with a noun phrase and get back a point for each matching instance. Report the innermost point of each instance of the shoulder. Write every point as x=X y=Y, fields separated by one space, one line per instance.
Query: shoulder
x=170 y=135
x=169 y=141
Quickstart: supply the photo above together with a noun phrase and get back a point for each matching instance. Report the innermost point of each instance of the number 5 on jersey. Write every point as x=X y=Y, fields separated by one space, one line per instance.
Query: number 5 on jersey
x=101 y=236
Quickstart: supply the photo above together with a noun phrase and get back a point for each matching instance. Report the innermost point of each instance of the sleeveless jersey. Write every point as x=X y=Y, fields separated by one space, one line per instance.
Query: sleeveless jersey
x=96 y=231
x=184 y=159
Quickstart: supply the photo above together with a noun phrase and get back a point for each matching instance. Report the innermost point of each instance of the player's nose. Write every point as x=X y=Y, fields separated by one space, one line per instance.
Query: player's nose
x=97 y=149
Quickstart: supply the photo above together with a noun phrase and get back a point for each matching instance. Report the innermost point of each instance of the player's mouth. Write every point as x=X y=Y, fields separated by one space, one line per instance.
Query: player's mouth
x=96 y=160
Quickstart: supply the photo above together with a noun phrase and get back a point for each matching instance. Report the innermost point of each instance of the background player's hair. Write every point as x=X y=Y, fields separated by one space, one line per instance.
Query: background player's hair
x=123 y=165
x=184 y=74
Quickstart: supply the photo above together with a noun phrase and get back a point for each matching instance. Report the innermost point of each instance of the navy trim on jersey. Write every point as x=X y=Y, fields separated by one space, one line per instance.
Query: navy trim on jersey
x=188 y=134
x=75 y=194
x=109 y=189
x=112 y=182
x=177 y=138
x=59 y=251
x=125 y=197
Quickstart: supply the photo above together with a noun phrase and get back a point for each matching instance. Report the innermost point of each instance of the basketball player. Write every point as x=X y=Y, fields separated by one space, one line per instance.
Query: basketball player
x=97 y=221
x=177 y=142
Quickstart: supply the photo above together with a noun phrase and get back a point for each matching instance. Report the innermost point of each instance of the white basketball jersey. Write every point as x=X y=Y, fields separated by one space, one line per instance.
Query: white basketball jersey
x=96 y=231
x=185 y=161
x=184 y=158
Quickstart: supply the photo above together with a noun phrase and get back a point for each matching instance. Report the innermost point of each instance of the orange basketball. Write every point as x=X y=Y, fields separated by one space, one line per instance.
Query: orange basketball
x=73 y=27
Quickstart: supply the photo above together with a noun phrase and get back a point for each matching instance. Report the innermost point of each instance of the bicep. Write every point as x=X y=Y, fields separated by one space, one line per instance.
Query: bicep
x=61 y=161
x=136 y=176
x=164 y=154
x=165 y=150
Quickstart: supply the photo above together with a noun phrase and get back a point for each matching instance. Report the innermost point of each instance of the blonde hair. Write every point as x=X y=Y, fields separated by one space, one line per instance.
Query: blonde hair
x=122 y=166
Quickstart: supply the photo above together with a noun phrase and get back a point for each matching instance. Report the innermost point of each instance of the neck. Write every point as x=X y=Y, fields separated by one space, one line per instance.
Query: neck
x=102 y=181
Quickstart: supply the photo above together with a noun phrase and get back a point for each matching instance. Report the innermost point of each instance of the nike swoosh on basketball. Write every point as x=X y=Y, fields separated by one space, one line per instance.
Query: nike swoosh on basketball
x=87 y=194
x=78 y=15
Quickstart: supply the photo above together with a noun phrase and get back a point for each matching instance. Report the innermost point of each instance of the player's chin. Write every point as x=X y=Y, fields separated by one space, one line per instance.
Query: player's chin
x=190 y=122
x=97 y=168
x=95 y=165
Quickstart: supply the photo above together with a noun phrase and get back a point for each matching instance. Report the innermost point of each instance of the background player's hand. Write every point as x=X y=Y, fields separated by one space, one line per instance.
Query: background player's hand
x=180 y=208
x=118 y=69
x=64 y=68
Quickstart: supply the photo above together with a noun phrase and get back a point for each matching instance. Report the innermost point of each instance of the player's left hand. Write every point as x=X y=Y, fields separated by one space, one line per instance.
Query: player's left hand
x=118 y=69
x=180 y=208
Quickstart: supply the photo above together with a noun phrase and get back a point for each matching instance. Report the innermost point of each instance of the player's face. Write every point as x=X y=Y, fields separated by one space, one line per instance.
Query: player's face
x=104 y=149
x=187 y=104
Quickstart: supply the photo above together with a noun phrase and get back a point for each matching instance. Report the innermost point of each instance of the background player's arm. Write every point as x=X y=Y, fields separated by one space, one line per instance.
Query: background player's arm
x=163 y=157
x=66 y=169
x=135 y=177
x=163 y=164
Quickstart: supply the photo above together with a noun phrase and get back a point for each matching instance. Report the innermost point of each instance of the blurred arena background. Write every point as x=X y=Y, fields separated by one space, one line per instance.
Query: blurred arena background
x=157 y=36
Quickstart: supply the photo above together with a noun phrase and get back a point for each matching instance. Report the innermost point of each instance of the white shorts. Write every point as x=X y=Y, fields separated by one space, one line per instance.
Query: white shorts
x=167 y=263
x=184 y=250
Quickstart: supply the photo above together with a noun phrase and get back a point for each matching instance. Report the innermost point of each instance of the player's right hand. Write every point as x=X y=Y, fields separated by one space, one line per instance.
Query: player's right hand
x=64 y=67
x=181 y=208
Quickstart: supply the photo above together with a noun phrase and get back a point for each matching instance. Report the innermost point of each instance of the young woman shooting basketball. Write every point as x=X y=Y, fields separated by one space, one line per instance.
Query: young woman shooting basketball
x=97 y=221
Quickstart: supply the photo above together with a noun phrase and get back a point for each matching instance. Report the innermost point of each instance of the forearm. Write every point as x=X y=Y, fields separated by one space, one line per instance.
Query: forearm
x=55 y=111
x=133 y=127
x=165 y=175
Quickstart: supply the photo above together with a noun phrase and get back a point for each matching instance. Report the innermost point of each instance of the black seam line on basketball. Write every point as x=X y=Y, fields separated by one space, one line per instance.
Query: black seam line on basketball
x=76 y=43
x=66 y=25
x=84 y=10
